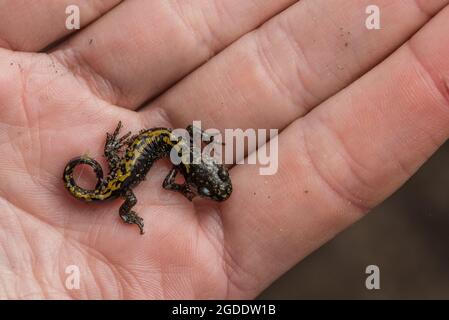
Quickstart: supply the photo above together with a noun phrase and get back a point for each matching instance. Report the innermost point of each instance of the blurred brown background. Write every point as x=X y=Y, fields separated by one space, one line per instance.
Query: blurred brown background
x=407 y=237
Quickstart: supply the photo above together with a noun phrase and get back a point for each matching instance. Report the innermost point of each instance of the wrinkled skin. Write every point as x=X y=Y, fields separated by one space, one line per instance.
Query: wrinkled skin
x=345 y=144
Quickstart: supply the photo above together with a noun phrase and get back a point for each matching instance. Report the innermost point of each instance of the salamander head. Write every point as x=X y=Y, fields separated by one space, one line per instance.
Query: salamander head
x=211 y=180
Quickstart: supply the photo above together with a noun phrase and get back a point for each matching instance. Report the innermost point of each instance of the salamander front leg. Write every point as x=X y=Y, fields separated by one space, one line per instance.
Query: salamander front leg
x=127 y=215
x=170 y=184
x=205 y=137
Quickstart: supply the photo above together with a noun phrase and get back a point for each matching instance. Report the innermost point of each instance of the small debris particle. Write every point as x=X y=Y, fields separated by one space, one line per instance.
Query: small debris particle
x=306 y=191
x=90 y=41
x=346 y=44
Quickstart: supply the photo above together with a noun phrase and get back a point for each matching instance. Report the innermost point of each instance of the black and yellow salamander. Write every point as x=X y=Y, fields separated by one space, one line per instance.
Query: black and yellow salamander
x=128 y=167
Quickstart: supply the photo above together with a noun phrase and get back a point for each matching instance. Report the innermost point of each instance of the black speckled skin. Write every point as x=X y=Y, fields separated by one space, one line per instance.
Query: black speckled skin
x=127 y=169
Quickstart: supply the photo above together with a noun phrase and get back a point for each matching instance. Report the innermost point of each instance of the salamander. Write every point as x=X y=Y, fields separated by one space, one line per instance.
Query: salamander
x=130 y=158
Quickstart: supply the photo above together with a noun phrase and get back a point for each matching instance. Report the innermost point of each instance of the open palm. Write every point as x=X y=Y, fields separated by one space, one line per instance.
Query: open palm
x=350 y=134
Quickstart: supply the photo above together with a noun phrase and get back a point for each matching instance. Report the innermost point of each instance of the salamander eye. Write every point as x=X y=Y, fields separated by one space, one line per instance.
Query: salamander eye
x=204 y=191
x=223 y=173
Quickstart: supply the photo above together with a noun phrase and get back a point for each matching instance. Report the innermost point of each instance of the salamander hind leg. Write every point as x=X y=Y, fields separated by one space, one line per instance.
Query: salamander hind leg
x=127 y=215
x=114 y=145
x=170 y=184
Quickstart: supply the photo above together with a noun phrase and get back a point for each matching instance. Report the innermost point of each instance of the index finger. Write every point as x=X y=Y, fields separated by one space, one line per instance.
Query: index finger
x=33 y=25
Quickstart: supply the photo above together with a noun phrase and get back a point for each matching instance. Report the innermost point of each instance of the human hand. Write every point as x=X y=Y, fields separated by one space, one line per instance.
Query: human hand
x=350 y=134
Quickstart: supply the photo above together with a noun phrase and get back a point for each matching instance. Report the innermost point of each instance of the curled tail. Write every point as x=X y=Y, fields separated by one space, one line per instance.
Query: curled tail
x=77 y=191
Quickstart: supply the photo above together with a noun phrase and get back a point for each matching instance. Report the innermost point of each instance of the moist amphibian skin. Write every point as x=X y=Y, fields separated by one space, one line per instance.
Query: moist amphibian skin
x=130 y=159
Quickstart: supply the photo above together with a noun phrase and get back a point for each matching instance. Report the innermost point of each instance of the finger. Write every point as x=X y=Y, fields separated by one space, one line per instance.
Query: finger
x=147 y=45
x=292 y=63
x=33 y=25
x=340 y=160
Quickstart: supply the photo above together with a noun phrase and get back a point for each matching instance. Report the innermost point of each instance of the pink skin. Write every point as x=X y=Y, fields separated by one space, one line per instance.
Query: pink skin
x=362 y=139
